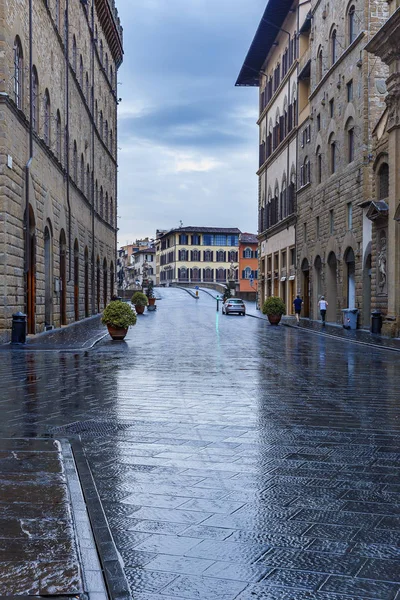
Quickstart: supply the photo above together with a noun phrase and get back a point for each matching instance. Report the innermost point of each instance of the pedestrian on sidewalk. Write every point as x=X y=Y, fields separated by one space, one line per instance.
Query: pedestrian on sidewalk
x=297 y=303
x=323 y=305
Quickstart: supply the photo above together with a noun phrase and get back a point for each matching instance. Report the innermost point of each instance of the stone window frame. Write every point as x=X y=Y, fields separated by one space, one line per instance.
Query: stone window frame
x=47 y=117
x=58 y=135
x=74 y=54
x=320 y=64
x=382 y=180
x=333 y=45
x=333 y=153
x=35 y=98
x=351 y=32
x=350 y=139
x=318 y=154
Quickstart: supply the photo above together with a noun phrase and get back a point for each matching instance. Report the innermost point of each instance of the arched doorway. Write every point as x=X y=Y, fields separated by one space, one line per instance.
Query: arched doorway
x=317 y=283
x=98 y=273
x=63 y=278
x=105 y=283
x=86 y=282
x=350 y=261
x=305 y=268
x=112 y=276
x=48 y=277
x=76 y=280
x=331 y=288
x=367 y=287
x=31 y=274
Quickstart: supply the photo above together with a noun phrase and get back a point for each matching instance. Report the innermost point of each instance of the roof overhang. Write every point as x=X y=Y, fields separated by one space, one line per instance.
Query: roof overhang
x=377 y=210
x=271 y=21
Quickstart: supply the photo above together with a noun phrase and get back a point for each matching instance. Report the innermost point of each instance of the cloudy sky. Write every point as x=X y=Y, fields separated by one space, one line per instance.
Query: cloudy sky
x=188 y=142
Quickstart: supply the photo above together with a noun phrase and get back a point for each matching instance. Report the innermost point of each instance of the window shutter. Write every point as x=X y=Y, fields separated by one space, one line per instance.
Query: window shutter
x=212 y=256
x=243 y=274
x=224 y=256
x=179 y=273
x=212 y=274
x=204 y=274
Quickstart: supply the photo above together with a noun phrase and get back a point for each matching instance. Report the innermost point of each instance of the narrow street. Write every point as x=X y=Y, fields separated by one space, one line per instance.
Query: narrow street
x=233 y=459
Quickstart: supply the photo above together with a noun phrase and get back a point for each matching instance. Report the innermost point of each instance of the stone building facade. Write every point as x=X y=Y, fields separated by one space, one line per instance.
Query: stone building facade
x=335 y=157
x=272 y=65
x=58 y=159
x=383 y=208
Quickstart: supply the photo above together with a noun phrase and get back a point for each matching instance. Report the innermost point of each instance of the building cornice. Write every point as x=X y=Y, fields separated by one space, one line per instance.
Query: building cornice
x=386 y=43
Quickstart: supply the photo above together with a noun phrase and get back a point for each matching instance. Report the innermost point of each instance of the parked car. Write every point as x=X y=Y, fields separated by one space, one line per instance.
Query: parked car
x=233 y=305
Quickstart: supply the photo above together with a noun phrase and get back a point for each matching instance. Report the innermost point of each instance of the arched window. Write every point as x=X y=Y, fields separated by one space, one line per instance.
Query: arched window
x=221 y=274
x=35 y=100
x=319 y=65
x=18 y=72
x=106 y=64
x=283 y=209
x=195 y=255
x=220 y=256
x=247 y=273
x=81 y=71
x=111 y=141
x=351 y=24
x=195 y=274
x=46 y=117
x=305 y=172
x=106 y=207
x=247 y=253
x=87 y=88
x=106 y=133
x=74 y=54
x=82 y=174
x=383 y=182
x=332 y=150
x=101 y=51
x=208 y=274
x=183 y=274
x=101 y=124
x=88 y=182
x=319 y=165
x=58 y=135
x=350 y=139
x=111 y=212
x=101 y=202
x=207 y=256
x=97 y=197
x=75 y=163
x=333 y=46
x=111 y=77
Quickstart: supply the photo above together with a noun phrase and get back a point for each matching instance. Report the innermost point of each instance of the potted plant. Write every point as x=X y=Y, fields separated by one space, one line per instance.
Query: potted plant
x=274 y=308
x=150 y=296
x=139 y=300
x=118 y=316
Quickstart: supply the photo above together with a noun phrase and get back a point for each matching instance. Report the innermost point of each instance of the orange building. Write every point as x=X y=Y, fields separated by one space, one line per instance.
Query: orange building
x=248 y=266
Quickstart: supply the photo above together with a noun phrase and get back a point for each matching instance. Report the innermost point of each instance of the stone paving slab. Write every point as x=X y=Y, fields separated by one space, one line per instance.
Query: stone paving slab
x=38 y=553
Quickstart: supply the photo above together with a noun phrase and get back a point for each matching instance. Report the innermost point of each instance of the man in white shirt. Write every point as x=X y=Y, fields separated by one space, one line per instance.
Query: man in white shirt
x=323 y=305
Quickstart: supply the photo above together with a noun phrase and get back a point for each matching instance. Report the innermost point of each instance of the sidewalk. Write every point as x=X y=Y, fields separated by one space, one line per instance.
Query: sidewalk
x=44 y=527
x=81 y=335
x=360 y=336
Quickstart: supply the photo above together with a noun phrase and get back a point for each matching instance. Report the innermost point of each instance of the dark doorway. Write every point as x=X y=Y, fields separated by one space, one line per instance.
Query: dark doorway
x=98 y=283
x=76 y=280
x=86 y=282
x=31 y=275
x=112 y=276
x=331 y=288
x=63 y=278
x=105 y=283
x=305 y=268
x=48 y=276
x=367 y=290
x=351 y=278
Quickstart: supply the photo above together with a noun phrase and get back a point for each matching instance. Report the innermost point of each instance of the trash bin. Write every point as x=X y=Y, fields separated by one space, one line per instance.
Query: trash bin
x=18 y=331
x=376 y=321
x=350 y=316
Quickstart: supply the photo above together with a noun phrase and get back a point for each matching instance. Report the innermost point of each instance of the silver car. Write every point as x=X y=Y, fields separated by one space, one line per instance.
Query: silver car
x=233 y=305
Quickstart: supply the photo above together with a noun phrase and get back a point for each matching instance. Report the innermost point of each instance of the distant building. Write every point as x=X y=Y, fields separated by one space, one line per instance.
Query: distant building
x=198 y=255
x=131 y=259
x=248 y=266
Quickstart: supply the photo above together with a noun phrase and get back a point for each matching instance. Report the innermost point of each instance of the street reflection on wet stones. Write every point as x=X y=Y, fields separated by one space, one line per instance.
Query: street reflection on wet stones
x=233 y=459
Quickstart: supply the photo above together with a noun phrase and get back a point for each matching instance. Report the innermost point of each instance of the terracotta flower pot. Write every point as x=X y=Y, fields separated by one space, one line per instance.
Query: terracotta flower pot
x=139 y=309
x=152 y=301
x=117 y=333
x=274 y=319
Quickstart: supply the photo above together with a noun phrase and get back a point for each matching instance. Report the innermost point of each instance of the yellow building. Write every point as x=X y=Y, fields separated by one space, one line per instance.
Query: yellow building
x=197 y=255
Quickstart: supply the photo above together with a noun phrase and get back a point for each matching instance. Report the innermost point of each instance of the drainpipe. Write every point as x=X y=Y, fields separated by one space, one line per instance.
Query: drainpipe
x=67 y=133
x=29 y=163
x=93 y=280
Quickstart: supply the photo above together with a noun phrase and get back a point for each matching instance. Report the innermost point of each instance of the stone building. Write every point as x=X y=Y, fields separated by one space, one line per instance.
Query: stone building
x=197 y=255
x=272 y=65
x=383 y=207
x=335 y=155
x=58 y=153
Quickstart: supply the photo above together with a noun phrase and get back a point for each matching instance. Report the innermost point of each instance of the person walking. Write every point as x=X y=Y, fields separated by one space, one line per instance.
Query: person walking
x=297 y=303
x=323 y=305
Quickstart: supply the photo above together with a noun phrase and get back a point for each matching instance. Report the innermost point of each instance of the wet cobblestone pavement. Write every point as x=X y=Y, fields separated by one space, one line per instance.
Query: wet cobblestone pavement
x=234 y=460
